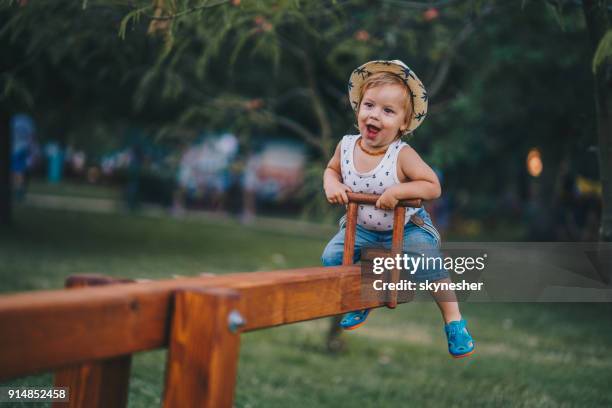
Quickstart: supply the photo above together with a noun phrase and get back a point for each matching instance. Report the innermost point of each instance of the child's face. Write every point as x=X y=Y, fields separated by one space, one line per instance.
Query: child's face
x=382 y=115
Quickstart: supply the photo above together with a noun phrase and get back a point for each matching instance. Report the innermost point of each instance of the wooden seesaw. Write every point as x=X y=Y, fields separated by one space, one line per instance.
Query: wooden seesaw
x=88 y=333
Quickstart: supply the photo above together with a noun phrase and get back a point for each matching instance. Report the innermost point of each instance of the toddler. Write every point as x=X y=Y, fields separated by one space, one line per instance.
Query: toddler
x=389 y=102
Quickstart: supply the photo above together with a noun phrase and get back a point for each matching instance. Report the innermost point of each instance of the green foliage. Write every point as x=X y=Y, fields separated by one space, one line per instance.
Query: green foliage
x=13 y=89
x=299 y=53
x=68 y=64
x=507 y=77
x=603 y=52
x=133 y=18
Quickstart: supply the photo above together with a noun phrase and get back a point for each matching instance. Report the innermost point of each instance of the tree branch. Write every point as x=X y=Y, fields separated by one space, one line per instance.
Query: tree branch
x=189 y=10
x=317 y=101
x=444 y=67
x=291 y=94
x=300 y=130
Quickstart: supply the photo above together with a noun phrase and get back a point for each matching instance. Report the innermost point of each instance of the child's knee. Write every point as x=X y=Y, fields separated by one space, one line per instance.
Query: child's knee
x=331 y=256
x=420 y=239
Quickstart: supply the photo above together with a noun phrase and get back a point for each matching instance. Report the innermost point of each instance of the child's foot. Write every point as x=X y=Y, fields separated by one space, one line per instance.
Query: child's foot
x=460 y=343
x=353 y=320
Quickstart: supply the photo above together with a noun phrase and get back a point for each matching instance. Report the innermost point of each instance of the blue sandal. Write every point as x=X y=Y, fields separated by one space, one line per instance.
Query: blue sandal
x=353 y=320
x=460 y=342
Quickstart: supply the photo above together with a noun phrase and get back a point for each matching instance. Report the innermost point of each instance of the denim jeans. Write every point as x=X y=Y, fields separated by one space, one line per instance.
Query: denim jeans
x=418 y=240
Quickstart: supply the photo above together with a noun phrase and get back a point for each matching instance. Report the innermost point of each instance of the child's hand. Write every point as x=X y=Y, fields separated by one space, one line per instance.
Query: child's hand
x=336 y=193
x=387 y=200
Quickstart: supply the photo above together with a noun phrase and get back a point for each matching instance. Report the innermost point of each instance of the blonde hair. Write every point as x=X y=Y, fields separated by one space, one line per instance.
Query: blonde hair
x=388 y=78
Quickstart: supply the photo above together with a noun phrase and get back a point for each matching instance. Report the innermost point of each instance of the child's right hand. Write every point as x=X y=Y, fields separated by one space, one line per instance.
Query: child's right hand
x=336 y=192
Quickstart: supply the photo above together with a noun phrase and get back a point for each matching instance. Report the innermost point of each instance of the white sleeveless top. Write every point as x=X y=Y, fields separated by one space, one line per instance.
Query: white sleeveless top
x=376 y=181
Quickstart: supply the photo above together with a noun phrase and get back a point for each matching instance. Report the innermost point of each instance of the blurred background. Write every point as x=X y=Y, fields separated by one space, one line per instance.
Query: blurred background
x=236 y=108
x=156 y=138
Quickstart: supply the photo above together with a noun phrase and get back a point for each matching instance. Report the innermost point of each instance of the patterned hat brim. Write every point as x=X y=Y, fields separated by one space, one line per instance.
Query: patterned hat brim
x=417 y=90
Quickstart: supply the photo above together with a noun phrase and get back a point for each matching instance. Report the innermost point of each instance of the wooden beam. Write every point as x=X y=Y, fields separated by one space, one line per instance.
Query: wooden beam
x=203 y=351
x=100 y=383
x=46 y=330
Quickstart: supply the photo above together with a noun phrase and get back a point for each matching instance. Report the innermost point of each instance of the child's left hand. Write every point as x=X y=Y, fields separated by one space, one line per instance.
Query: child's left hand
x=387 y=200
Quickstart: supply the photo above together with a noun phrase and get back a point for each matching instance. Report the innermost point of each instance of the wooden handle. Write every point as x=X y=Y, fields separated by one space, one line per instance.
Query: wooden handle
x=397 y=247
x=398 y=232
x=349 y=234
x=362 y=198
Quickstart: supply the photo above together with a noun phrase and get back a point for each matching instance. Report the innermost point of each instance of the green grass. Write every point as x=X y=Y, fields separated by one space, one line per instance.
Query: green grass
x=45 y=246
x=72 y=189
x=541 y=355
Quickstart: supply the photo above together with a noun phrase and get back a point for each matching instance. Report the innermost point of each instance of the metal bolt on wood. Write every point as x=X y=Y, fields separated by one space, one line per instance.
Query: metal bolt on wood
x=235 y=321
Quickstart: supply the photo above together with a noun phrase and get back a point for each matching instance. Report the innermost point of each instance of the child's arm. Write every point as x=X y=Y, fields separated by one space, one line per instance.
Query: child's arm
x=417 y=179
x=335 y=191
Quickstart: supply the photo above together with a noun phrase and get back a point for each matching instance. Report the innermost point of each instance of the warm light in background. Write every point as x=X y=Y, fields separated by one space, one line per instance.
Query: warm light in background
x=534 y=162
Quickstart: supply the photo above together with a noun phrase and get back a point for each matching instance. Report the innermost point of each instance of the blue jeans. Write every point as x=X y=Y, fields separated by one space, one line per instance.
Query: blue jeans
x=418 y=240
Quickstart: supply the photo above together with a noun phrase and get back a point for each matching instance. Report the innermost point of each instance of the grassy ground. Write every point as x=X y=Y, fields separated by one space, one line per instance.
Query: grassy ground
x=40 y=186
x=543 y=355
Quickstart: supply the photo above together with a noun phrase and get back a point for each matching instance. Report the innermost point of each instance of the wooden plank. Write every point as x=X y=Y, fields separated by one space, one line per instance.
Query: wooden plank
x=203 y=352
x=100 y=383
x=350 y=230
x=45 y=330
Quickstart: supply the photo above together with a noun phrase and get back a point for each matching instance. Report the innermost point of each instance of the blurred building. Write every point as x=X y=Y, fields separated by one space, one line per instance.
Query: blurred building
x=273 y=175
x=204 y=173
x=277 y=171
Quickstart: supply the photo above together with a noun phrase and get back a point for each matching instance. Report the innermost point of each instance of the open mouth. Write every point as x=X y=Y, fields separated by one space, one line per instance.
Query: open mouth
x=372 y=130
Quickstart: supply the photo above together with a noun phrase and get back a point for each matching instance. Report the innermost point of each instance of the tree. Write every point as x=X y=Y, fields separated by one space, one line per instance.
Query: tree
x=284 y=68
x=68 y=67
x=259 y=67
x=368 y=36
x=598 y=23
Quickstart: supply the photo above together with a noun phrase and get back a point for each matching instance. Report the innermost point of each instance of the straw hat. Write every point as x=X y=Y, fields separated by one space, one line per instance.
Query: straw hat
x=417 y=90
